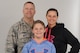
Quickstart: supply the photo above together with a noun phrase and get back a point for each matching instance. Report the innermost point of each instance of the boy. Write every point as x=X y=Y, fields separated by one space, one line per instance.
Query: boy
x=38 y=44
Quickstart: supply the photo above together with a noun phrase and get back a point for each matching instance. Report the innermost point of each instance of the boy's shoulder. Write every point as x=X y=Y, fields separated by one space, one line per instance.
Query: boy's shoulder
x=49 y=43
x=28 y=43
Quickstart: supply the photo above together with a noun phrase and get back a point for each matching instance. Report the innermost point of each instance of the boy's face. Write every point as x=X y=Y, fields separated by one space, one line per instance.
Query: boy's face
x=38 y=30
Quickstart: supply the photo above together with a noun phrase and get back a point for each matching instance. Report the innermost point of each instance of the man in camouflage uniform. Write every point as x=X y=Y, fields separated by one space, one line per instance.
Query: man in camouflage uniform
x=21 y=32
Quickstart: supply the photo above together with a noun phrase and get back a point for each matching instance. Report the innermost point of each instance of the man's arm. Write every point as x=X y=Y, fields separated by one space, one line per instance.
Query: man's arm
x=11 y=41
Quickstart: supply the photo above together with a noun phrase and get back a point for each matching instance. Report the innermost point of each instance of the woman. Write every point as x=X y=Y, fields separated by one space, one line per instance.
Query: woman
x=59 y=35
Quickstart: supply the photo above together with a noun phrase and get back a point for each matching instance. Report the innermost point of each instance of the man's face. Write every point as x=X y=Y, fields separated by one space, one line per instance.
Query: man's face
x=29 y=10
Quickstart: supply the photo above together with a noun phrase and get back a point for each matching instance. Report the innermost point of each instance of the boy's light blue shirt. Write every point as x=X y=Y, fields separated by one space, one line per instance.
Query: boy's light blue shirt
x=44 y=47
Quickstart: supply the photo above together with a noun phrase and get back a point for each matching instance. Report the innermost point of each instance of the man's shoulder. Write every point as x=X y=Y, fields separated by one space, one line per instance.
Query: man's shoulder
x=21 y=26
x=16 y=24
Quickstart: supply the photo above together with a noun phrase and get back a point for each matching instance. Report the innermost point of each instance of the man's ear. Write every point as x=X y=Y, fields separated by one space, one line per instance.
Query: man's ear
x=35 y=12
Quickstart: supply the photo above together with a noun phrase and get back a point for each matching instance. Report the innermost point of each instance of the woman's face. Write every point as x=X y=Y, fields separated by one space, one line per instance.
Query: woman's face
x=52 y=17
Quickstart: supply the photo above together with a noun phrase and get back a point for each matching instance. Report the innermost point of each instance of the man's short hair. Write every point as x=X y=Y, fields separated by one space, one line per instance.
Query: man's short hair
x=30 y=3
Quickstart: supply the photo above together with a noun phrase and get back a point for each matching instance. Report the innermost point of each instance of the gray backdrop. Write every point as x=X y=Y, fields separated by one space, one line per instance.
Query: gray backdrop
x=11 y=12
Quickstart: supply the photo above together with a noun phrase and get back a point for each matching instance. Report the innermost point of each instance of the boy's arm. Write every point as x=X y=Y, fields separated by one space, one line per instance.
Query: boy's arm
x=25 y=49
x=53 y=49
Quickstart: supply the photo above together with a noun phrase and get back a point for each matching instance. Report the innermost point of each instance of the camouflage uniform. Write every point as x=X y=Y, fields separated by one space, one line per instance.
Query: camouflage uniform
x=18 y=35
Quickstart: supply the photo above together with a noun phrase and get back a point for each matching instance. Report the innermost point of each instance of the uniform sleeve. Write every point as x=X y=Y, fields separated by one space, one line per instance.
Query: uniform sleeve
x=53 y=49
x=73 y=41
x=11 y=46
